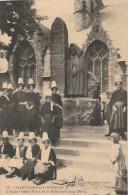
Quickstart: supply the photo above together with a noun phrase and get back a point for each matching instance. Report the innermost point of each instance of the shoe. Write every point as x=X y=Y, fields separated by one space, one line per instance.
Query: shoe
x=9 y=175
x=54 y=145
x=3 y=171
x=107 y=134
x=38 y=182
x=23 y=177
x=30 y=177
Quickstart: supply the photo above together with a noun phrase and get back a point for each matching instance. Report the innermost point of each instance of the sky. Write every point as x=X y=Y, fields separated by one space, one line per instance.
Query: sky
x=63 y=9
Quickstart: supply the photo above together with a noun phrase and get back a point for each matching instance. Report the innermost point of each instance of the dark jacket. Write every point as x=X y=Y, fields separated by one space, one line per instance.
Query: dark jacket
x=8 y=149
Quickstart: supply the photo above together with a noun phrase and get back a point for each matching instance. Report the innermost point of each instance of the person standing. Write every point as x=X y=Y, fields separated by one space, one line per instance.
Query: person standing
x=48 y=114
x=118 y=106
x=19 y=98
x=119 y=166
x=32 y=107
x=4 y=108
x=11 y=108
x=6 y=152
x=56 y=98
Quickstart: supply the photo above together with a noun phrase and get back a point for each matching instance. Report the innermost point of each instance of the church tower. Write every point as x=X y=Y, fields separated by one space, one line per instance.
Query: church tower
x=83 y=12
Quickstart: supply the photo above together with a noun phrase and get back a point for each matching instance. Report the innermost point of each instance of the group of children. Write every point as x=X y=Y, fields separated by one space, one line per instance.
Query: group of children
x=21 y=110
x=35 y=162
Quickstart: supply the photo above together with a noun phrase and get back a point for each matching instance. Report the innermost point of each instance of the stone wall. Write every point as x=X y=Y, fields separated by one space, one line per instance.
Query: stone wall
x=81 y=111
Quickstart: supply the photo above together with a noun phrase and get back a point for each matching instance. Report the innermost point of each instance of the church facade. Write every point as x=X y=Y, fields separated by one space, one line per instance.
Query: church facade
x=103 y=52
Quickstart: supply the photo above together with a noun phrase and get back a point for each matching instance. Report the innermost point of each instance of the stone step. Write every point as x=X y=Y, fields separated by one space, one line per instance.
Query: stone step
x=82 y=151
x=86 y=163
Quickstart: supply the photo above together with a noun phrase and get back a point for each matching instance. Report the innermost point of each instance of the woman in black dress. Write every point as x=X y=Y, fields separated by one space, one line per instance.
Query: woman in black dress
x=56 y=98
x=4 y=108
x=19 y=99
x=45 y=168
x=32 y=155
x=48 y=115
x=32 y=107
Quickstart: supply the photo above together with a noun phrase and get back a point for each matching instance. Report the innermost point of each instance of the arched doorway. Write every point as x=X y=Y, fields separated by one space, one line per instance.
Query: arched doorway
x=24 y=63
x=97 y=59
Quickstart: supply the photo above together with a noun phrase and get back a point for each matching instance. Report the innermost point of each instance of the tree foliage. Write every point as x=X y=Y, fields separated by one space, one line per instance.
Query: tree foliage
x=18 y=18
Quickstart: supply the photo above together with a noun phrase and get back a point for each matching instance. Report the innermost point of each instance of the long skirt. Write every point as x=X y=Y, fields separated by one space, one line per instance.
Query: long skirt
x=45 y=172
x=49 y=127
x=4 y=163
x=118 y=118
x=59 y=118
x=16 y=163
x=40 y=168
x=28 y=167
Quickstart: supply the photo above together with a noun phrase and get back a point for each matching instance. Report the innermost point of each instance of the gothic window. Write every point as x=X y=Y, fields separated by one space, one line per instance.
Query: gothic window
x=97 y=59
x=25 y=63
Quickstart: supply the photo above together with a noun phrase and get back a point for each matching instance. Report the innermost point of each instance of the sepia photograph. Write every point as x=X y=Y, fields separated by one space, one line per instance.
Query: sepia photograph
x=63 y=97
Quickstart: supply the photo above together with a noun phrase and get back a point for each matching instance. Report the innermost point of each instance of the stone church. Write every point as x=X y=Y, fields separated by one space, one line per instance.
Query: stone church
x=46 y=57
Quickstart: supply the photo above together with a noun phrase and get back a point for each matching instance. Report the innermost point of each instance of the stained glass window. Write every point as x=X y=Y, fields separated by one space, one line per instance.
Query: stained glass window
x=25 y=63
x=97 y=59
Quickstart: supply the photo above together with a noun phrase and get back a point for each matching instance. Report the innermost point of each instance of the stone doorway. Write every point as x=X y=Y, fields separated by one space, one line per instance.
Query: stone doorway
x=97 y=60
x=24 y=63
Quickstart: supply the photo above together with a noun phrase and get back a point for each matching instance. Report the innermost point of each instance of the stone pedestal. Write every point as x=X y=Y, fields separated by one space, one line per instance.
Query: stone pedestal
x=81 y=111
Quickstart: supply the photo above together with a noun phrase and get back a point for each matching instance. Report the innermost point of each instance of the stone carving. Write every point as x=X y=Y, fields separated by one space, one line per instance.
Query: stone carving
x=58 y=51
x=76 y=72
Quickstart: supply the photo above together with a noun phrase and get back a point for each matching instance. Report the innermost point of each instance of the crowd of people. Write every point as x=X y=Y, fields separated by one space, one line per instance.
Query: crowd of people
x=21 y=110
x=35 y=162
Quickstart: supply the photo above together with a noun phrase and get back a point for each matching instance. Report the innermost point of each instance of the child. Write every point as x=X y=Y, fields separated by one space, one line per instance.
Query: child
x=118 y=162
x=45 y=168
x=6 y=152
x=17 y=161
x=48 y=114
x=32 y=154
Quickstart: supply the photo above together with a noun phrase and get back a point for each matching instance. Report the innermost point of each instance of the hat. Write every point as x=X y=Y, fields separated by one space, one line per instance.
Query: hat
x=31 y=82
x=48 y=93
x=54 y=85
x=5 y=86
x=10 y=86
x=20 y=81
x=5 y=134
x=45 y=137
x=32 y=136
x=118 y=78
x=21 y=135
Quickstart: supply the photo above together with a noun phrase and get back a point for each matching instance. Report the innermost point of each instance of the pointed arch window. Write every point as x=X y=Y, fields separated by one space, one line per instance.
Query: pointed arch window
x=97 y=59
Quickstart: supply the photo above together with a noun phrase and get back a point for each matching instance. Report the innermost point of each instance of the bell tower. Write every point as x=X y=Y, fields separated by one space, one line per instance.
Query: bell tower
x=84 y=11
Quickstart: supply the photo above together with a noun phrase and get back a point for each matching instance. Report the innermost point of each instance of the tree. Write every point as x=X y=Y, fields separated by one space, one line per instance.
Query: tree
x=18 y=18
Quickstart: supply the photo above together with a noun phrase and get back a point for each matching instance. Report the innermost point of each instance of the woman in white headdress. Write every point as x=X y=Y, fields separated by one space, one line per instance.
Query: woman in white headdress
x=32 y=107
x=32 y=154
x=56 y=98
x=18 y=160
x=45 y=168
x=6 y=153
x=118 y=105
x=48 y=114
x=19 y=98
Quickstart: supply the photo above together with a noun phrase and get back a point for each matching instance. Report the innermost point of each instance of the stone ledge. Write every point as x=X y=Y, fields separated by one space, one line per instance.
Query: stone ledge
x=81 y=111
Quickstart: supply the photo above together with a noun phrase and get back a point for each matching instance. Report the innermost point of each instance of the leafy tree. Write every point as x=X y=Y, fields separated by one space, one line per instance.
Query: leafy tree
x=18 y=18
